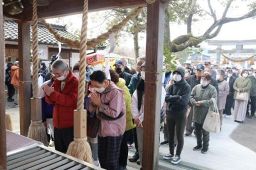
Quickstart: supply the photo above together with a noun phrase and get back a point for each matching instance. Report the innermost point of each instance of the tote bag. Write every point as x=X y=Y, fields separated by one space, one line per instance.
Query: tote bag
x=212 y=120
x=242 y=96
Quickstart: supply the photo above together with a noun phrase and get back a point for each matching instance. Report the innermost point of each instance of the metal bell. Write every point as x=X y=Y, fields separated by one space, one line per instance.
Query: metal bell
x=13 y=7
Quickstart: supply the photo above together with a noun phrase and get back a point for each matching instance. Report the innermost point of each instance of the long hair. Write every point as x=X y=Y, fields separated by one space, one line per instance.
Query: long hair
x=140 y=93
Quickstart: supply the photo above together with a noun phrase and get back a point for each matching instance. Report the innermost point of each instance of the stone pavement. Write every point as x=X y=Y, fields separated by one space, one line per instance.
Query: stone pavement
x=224 y=152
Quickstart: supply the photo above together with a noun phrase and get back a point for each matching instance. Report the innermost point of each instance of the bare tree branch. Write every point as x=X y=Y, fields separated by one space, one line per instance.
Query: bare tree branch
x=184 y=41
x=191 y=6
x=227 y=8
x=212 y=13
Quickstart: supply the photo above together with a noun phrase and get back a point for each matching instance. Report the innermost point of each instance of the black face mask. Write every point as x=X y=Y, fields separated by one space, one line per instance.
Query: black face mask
x=119 y=70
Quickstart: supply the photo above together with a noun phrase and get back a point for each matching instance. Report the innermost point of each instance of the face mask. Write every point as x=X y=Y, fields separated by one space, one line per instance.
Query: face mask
x=177 y=77
x=142 y=74
x=204 y=83
x=218 y=77
x=187 y=74
x=76 y=74
x=61 y=78
x=100 y=90
x=229 y=74
x=245 y=75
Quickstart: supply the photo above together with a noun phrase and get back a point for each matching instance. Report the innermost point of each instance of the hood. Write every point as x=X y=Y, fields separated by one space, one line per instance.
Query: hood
x=121 y=83
x=181 y=71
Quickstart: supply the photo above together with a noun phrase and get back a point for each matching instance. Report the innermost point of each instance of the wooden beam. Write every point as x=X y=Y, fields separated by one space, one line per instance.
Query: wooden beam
x=153 y=84
x=2 y=94
x=25 y=77
x=68 y=7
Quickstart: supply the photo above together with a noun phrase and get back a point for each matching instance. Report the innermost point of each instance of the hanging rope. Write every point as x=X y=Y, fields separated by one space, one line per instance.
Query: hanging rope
x=93 y=42
x=150 y=1
x=82 y=66
x=238 y=60
x=35 y=60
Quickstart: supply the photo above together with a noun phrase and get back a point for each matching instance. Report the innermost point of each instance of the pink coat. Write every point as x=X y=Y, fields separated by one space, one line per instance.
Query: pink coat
x=113 y=104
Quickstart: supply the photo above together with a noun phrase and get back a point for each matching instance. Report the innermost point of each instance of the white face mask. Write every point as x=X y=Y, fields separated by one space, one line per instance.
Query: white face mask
x=187 y=74
x=61 y=78
x=99 y=90
x=229 y=74
x=204 y=83
x=218 y=77
x=76 y=74
x=143 y=75
x=245 y=75
x=177 y=77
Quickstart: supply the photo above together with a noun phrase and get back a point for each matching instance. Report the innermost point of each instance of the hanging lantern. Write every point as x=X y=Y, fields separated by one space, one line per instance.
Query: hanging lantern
x=225 y=61
x=41 y=2
x=252 y=61
x=13 y=7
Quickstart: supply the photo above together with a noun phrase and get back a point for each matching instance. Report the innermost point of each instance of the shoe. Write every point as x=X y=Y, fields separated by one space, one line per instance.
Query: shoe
x=134 y=158
x=168 y=156
x=164 y=142
x=204 y=151
x=138 y=162
x=197 y=148
x=176 y=160
x=10 y=100
x=188 y=134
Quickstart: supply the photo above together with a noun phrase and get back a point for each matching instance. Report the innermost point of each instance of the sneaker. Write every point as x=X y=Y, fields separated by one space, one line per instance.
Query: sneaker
x=164 y=142
x=188 y=134
x=176 y=160
x=134 y=158
x=204 y=151
x=197 y=148
x=168 y=156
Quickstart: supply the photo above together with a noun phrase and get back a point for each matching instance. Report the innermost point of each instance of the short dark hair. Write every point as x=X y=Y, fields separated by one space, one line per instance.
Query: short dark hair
x=114 y=76
x=60 y=64
x=76 y=67
x=98 y=76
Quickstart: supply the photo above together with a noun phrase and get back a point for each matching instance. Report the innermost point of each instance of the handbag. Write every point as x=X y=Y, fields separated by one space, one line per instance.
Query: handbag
x=212 y=120
x=242 y=96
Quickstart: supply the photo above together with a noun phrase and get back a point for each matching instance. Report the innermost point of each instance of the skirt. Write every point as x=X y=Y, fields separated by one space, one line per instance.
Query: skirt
x=240 y=110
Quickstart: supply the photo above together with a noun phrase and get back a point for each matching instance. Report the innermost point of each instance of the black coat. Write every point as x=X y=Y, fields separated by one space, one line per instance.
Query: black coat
x=177 y=97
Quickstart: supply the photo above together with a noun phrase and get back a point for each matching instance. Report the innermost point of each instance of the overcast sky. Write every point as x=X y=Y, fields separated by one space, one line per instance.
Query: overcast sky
x=242 y=30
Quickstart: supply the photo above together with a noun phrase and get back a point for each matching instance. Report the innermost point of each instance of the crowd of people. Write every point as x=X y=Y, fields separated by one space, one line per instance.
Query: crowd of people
x=114 y=101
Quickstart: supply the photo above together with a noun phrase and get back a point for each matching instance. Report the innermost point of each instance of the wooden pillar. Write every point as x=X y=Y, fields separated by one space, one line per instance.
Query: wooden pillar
x=2 y=94
x=25 y=77
x=153 y=80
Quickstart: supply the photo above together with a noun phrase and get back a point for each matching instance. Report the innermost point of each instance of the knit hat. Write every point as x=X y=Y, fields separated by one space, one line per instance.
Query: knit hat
x=180 y=70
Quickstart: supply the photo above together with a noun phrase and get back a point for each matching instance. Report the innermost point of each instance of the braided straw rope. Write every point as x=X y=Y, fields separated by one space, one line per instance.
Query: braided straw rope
x=35 y=60
x=150 y=1
x=82 y=66
x=94 y=42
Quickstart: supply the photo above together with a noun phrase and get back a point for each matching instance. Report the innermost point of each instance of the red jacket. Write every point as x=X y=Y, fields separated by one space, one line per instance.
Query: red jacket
x=64 y=102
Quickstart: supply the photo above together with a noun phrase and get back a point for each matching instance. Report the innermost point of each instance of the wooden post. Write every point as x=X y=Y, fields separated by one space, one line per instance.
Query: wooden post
x=2 y=94
x=25 y=76
x=154 y=63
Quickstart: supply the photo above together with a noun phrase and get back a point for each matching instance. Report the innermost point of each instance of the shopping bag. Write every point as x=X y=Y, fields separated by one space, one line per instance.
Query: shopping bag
x=242 y=96
x=212 y=120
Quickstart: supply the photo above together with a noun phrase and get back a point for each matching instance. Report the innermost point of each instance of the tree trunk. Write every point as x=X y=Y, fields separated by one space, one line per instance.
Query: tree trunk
x=136 y=45
x=167 y=39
